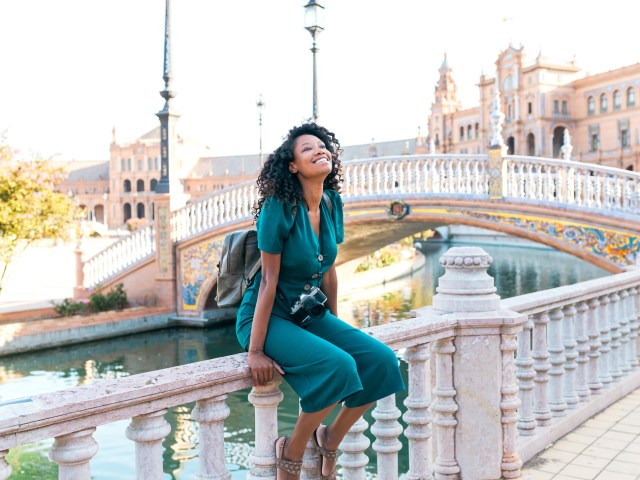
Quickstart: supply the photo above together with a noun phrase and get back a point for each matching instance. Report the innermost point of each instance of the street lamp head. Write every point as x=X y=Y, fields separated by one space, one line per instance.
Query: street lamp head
x=260 y=103
x=314 y=17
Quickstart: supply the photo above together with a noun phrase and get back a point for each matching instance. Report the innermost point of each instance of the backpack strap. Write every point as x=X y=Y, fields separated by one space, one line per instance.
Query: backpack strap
x=327 y=202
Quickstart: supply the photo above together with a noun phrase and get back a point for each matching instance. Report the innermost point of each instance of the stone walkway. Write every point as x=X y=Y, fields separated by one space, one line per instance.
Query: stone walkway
x=605 y=447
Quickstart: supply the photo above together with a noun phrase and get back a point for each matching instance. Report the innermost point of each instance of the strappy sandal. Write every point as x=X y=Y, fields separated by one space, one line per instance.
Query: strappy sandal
x=282 y=463
x=324 y=453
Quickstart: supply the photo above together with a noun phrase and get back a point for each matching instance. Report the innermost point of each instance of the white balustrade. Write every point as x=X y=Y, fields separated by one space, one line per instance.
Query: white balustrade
x=210 y=414
x=148 y=431
x=418 y=417
x=72 y=453
x=353 y=459
x=387 y=429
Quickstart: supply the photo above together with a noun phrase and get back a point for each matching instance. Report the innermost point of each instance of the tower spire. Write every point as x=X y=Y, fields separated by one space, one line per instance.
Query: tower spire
x=168 y=178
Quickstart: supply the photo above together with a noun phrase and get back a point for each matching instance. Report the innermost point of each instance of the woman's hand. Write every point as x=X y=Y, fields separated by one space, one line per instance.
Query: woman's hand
x=262 y=367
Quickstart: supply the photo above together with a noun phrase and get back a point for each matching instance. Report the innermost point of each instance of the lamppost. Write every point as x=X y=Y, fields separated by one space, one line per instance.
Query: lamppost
x=313 y=22
x=260 y=106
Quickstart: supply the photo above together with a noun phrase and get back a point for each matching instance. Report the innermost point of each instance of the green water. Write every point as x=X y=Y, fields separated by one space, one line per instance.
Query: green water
x=516 y=271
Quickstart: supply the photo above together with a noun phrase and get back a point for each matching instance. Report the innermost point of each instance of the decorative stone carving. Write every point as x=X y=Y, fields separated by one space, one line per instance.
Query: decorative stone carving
x=418 y=416
x=387 y=429
x=541 y=365
x=210 y=415
x=526 y=374
x=444 y=408
x=509 y=404
x=570 y=355
x=566 y=148
x=148 y=431
x=265 y=401
x=73 y=452
x=353 y=459
x=497 y=118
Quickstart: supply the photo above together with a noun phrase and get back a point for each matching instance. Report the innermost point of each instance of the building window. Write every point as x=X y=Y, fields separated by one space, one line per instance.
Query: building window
x=591 y=106
x=530 y=108
x=126 y=186
x=140 y=186
x=595 y=142
x=624 y=138
x=140 y=210
x=140 y=164
x=631 y=97
x=556 y=106
x=157 y=163
x=129 y=164
x=477 y=130
x=122 y=164
x=617 y=100
x=509 y=112
x=469 y=132
x=603 y=103
x=565 y=107
x=152 y=185
x=461 y=133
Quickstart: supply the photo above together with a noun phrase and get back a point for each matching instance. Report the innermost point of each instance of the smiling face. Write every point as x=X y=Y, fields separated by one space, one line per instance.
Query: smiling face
x=311 y=158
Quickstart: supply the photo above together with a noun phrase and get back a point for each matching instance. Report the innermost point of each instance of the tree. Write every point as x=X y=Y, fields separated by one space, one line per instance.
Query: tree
x=30 y=208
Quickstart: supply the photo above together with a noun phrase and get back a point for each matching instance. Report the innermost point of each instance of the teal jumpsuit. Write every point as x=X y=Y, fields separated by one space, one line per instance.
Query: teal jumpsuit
x=326 y=361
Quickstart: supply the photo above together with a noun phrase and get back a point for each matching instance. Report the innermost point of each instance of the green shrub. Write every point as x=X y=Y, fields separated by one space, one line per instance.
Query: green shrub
x=69 y=307
x=115 y=299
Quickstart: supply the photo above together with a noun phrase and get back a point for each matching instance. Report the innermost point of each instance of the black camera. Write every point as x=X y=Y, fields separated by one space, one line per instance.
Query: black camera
x=309 y=306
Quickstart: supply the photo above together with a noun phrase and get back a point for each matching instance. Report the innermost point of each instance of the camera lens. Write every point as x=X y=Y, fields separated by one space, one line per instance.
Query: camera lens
x=317 y=310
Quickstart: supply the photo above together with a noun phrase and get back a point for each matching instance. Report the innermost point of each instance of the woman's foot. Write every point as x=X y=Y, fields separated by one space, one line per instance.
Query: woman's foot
x=285 y=469
x=327 y=456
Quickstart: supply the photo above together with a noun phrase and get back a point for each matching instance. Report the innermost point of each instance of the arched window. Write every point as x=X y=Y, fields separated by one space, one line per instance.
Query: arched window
x=127 y=211
x=126 y=185
x=469 y=132
x=617 y=100
x=603 y=103
x=152 y=185
x=477 y=130
x=140 y=186
x=631 y=97
x=461 y=133
x=591 y=106
x=140 y=210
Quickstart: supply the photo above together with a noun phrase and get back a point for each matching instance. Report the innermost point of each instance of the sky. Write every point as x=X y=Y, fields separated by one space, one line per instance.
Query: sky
x=74 y=69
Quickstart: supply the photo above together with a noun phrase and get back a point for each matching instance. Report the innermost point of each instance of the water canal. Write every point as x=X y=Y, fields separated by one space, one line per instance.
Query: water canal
x=516 y=271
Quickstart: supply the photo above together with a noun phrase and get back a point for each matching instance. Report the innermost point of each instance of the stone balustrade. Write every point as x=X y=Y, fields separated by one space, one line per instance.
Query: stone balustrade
x=558 y=183
x=491 y=383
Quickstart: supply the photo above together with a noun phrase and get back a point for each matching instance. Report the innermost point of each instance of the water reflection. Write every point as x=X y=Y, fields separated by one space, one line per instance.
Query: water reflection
x=515 y=270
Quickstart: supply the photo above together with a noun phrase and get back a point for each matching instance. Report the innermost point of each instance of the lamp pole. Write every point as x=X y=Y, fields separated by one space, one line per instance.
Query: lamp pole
x=260 y=105
x=313 y=22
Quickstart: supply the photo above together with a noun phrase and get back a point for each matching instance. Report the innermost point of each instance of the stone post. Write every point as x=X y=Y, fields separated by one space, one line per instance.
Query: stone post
x=353 y=459
x=387 y=429
x=486 y=392
x=165 y=253
x=148 y=431
x=72 y=453
x=210 y=414
x=265 y=401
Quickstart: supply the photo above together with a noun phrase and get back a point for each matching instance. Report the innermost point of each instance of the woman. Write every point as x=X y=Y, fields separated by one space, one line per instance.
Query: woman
x=326 y=361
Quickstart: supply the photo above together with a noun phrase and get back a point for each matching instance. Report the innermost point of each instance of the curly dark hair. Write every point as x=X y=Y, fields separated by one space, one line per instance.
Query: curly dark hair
x=276 y=179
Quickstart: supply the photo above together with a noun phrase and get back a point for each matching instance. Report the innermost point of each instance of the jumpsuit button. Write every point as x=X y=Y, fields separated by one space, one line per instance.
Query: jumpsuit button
x=320 y=257
x=315 y=275
x=307 y=286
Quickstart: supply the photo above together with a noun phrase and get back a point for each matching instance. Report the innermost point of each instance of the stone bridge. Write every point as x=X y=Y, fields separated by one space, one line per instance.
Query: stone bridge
x=587 y=210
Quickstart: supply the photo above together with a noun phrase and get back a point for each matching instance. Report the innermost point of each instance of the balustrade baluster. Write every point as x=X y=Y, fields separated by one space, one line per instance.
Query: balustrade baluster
x=541 y=365
x=148 y=431
x=198 y=220
x=5 y=468
x=354 y=181
x=416 y=165
x=623 y=316
x=590 y=188
x=445 y=408
x=633 y=327
x=557 y=359
x=418 y=417
x=353 y=459
x=550 y=183
x=215 y=210
x=525 y=375
x=570 y=355
x=394 y=177
x=387 y=429
x=595 y=385
x=605 y=339
x=521 y=179
x=402 y=176
x=265 y=401
x=614 y=325
x=435 y=176
x=210 y=414
x=582 y=340
x=509 y=403
x=72 y=453
x=451 y=177
x=458 y=176
x=370 y=180
x=378 y=177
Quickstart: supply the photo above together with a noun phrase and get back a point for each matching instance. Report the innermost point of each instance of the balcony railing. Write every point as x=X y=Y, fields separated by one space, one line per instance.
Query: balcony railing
x=510 y=377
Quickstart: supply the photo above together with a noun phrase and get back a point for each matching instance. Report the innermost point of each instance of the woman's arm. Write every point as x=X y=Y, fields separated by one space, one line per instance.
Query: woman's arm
x=261 y=365
x=330 y=288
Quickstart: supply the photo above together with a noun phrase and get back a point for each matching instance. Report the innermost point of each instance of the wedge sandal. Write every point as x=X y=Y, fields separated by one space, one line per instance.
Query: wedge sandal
x=282 y=463
x=324 y=453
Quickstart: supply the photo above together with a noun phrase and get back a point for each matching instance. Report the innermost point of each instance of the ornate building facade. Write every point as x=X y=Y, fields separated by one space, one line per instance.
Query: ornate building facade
x=540 y=100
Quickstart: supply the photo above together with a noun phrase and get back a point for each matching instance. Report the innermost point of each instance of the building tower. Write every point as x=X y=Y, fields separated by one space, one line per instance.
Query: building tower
x=445 y=104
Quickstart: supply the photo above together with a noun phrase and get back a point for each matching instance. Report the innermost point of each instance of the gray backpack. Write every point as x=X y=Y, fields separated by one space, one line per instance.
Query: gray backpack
x=240 y=262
